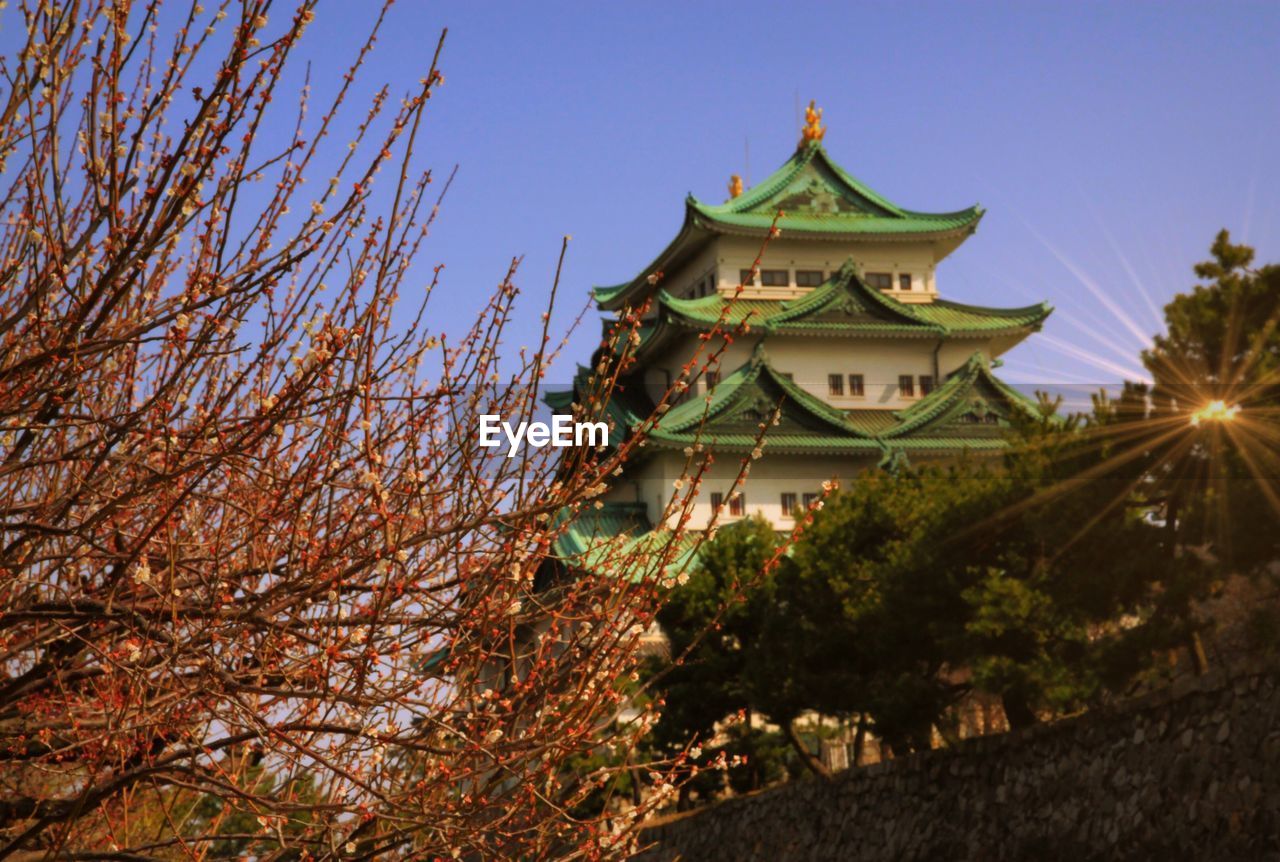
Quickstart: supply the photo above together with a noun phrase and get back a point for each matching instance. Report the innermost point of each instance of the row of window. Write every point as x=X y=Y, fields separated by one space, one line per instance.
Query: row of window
x=814 y=277
x=884 y=280
x=706 y=285
x=857 y=387
x=782 y=277
x=738 y=503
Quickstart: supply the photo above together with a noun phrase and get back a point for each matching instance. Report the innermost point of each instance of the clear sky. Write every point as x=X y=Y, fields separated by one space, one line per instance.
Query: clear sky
x=1108 y=142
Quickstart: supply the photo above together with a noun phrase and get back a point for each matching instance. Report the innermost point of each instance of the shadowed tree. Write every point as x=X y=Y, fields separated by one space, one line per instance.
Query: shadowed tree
x=714 y=624
x=1222 y=348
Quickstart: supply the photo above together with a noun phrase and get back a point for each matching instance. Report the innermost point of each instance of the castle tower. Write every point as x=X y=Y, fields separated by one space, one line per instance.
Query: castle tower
x=848 y=336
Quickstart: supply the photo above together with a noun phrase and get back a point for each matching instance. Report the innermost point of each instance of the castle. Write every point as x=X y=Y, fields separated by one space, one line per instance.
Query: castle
x=846 y=335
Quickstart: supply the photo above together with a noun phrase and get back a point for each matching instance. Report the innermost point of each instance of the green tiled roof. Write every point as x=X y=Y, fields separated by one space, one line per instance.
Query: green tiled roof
x=953 y=444
x=748 y=382
x=598 y=538
x=730 y=415
x=970 y=409
x=779 y=444
x=819 y=200
x=591 y=526
x=958 y=318
x=846 y=305
x=559 y=399
x=972 y=387
x=871 y=421
x=819 y=197
x=625 y=407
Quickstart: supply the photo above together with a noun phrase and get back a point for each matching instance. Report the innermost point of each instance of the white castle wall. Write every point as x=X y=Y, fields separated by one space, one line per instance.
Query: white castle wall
x=770 y=477
x=730 y=254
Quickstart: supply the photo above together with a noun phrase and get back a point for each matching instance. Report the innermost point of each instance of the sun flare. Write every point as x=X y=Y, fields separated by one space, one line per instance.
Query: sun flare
x=1215 y=411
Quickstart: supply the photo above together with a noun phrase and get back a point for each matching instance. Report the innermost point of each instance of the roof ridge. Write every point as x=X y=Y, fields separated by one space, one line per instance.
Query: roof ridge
x=888 y=302
x=670 y=300
x=1017 y=399
x=731 y=390
x=713 y=403
x=767 y=187
x=859 y=186
x=812 y=403
x=817 y=298
x=606 y=294
x=805 y=155
x=959 y=381
x=935 y=403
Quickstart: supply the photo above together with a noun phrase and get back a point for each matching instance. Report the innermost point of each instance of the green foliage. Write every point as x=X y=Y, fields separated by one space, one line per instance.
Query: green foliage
x=871 y=595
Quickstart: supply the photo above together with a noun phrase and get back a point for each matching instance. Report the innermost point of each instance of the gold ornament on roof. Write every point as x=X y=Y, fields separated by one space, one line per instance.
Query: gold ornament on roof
x=813 y=129
x=735 y=186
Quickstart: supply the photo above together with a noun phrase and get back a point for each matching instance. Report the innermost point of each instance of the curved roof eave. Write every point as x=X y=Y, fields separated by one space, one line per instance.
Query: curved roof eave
x=691 y=236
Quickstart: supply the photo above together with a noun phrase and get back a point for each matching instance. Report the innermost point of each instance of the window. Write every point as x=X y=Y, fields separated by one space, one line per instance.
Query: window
x=904 y=281
x=808 y=277
x=880 y=280
x=926 y=384
x=788 y=505
x=835 y=384
x=809 y=500
x=717 y=500
x=744 y=277
x=906 y=386
x=775 y=278
x=736 y=504
x=713 y=378
x=855 y=385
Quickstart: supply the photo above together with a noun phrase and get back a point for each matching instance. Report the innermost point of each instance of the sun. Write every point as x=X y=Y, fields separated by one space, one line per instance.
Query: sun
x=1215 y=411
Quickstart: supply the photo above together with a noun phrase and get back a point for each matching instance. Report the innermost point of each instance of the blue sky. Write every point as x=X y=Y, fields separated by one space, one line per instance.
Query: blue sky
x=1109 y=142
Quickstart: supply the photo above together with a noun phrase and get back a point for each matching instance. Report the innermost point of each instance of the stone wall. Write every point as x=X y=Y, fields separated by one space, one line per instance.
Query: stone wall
x=1192 y=772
